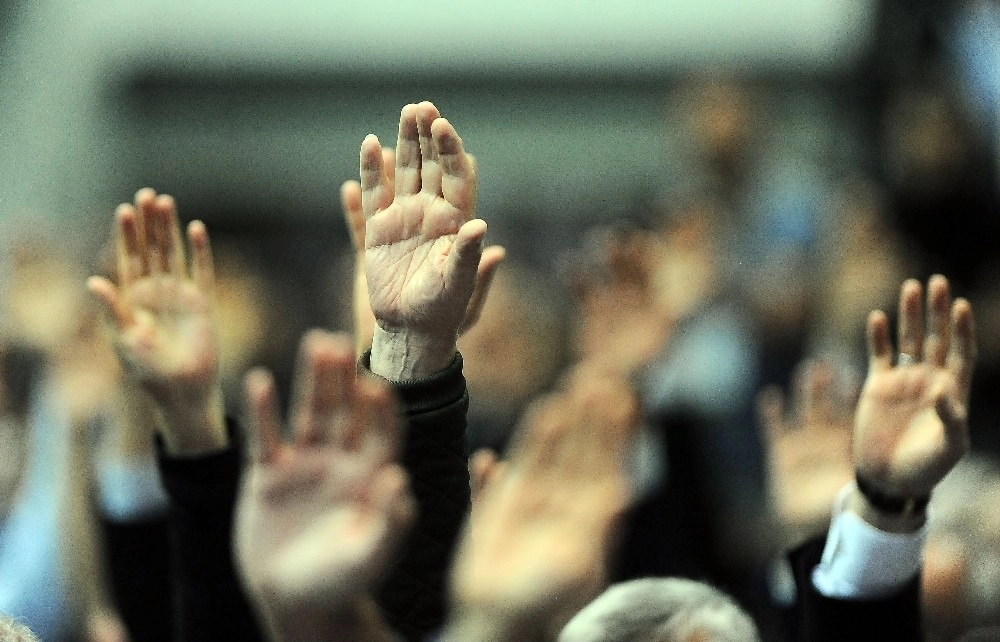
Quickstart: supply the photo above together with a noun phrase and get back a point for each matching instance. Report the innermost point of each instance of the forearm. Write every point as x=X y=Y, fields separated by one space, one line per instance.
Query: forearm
x=210 y=601
x=193 y=426
x=864 y=580
x=435 y=456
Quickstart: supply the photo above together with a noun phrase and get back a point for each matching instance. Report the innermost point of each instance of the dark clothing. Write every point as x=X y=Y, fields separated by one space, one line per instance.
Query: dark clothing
x=210 y=604
x=203 y=490
x=825 y=619
x=138 y=555
x=436 y=457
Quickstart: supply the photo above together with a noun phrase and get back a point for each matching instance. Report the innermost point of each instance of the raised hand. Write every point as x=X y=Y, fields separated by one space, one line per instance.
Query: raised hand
x=354 y=216
x=911 y=426
x=165 y=333
x=809 y=445
x=537 y=540
x=319 y=517
x=423 y=246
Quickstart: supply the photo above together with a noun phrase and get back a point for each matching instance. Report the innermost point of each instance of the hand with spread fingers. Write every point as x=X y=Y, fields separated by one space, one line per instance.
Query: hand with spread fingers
x=164 y=322
x=364 y=319
x=319 y=518
x=808 y=444
x=911 y=426
x=423 y=246
x=536 y=543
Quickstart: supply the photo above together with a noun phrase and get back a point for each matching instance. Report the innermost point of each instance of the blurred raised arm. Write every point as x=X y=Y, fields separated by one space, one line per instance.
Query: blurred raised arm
x=164 y=323
x=320 y=517
x=910 y=429
x=535 y=548
x=164 y=331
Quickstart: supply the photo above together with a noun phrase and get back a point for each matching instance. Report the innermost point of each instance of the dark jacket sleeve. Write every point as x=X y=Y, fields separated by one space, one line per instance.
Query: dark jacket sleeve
x=138 y=555
x=435 y=454
x=210 y=605
x=825 y=619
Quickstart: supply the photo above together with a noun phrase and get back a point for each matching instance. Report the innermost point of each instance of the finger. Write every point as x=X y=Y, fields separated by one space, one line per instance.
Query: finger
x=130 y=245
x=323 y=388
x=911 y=322
x=458 y=180
x=382 y=423
x=879 y=346
x=962 y=353
x=490 y=260
x=392 y=498
x=176 y=262
x=608 y=410
x=480 y=465
x=462 y=263
x=430 y=168
x=408 y=155
x=529 y=443
x=952 y=412
x=354 y=215
x=955 y=418
x=107 y=293
x=155 y=229
x=376 y=192
x=938 y=321
x=389 y=164
x=263 y=423
x=202 y=263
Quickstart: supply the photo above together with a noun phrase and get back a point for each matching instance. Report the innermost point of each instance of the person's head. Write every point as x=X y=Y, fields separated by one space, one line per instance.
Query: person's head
x=12 y=631
x=661 y=610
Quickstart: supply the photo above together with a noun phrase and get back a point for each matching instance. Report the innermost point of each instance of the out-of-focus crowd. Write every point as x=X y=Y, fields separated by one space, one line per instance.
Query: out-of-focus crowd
x=724 y=320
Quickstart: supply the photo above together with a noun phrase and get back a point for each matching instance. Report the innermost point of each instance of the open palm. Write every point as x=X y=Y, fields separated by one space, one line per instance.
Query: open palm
x=163 y=314
x=422 y=244
x=540 y=527
x=911 y=426
x=318 y=518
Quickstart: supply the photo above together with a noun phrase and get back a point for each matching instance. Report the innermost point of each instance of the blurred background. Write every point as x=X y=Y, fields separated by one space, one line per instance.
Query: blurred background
x=251 y=114
x=703 y=193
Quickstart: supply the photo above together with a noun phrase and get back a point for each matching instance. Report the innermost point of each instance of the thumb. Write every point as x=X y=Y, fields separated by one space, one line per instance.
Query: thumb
x=463 y=261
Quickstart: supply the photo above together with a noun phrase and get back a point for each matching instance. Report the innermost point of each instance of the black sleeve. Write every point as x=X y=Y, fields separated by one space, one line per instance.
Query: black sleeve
x=210 y=605
x=435 y=455
x=825 y=619
x=138 y=554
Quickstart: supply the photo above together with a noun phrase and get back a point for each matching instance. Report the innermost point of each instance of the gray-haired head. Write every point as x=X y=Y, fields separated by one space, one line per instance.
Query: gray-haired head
x=661 y=610
x=12 y=631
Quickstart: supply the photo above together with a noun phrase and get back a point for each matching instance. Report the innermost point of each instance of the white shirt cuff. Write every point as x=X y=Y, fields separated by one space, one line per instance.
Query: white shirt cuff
x=862 y=562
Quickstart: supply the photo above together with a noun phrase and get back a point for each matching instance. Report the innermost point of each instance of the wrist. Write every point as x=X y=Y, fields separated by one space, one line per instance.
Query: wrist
x=907 y=521
x=406 y=355
x=193 y=427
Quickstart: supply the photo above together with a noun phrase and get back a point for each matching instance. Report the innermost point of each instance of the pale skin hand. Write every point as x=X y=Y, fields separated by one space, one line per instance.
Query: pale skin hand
x=318 y=519
x=354 y=216
x=536 y=544
x=423 y=246
x=911 y=426
x=164 y=325
x=808 y=445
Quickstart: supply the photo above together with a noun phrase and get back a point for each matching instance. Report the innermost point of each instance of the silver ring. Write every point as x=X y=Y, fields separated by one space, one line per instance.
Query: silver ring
x=905 y=359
